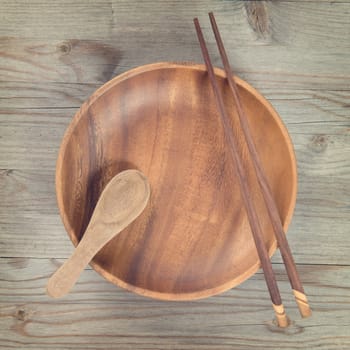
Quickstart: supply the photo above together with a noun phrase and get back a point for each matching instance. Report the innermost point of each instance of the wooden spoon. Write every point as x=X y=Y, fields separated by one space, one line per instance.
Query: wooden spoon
x=121 y=202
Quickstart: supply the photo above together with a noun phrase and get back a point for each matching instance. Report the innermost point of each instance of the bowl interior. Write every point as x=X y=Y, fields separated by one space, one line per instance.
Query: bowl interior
x=193 y=240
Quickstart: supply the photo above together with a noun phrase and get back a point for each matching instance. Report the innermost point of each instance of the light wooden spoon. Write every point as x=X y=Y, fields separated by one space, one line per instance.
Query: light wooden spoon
x=121 y=202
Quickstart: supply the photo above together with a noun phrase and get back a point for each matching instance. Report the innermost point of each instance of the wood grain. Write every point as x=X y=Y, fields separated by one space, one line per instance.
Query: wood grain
x=53 y=55
x=96 y=61
x=99 y=315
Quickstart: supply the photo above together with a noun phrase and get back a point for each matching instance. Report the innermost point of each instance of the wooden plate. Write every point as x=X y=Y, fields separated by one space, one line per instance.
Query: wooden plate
x=193 y=240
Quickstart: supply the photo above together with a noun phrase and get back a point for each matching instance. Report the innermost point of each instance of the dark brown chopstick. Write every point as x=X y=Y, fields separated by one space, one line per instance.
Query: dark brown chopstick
x=245 y=193
x=282 y=241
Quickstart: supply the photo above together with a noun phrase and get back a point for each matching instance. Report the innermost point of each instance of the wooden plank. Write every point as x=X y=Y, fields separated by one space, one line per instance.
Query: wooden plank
x=63 y=18
x=114 y=17
x=30 y=139
x=69 y=50
x=96 y=61
x=61 y=61
x=98 y=315
x=39 y=95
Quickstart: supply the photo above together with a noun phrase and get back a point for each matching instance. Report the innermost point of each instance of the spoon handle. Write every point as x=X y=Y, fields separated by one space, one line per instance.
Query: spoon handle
x=66 y=276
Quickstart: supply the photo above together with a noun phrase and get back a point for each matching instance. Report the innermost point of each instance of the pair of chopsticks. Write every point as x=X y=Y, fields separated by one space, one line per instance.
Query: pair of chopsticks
x=272 y=210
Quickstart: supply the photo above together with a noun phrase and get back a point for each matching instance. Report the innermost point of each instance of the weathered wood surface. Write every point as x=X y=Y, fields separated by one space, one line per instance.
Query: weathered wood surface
x=53 y=55
x=96 y=315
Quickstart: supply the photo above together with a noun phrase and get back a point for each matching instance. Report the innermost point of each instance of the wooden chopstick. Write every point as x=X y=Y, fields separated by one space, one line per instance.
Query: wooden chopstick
x=253 y=219
x=281 y=238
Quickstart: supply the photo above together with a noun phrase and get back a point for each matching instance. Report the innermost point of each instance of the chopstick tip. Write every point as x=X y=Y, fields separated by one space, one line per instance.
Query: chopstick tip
x=303 y=304
x=281 y=317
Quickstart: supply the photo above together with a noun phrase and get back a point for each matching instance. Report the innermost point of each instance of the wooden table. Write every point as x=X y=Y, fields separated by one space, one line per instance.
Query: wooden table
x=54 y=54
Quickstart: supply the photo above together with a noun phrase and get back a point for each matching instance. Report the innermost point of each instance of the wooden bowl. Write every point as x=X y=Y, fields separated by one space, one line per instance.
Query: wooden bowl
x=193 y=240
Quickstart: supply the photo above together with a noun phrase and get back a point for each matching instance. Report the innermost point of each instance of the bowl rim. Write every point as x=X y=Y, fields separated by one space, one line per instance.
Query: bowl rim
x=90 y=101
